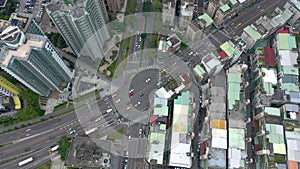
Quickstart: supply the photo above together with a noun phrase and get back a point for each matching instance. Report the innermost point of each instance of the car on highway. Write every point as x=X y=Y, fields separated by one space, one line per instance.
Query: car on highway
x=140 y=131
x=148 y=80
x=137 y=104
x=129 y=138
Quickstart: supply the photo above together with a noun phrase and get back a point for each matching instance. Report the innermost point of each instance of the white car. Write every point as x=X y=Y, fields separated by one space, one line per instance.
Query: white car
x=137 y=104
x=130 y=91
x=148 y=80
x=118 y=100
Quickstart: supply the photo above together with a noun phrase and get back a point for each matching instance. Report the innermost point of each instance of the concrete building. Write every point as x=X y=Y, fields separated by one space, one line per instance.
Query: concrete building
x=180 y=145
x=250 y=35
x=85 y=153
x=186 y=12
x=82 y=25
x=34 y=62
x=115 y=5
x=269 y=140
x=295 y=9
x=168 y=12
x=205 y=22
x=158 y=132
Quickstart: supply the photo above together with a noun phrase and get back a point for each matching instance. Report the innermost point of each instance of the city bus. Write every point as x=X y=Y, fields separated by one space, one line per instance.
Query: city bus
x=28 y=160
x=54 y=148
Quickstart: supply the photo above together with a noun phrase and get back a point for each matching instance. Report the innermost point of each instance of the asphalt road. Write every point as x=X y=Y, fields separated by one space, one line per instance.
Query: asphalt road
x=142 y=88
x=247 y=18
x=47 y=133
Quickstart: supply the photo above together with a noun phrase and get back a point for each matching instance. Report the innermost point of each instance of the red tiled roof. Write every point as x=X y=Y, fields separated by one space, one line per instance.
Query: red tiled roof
x=269 y=56
x=153 y=119
x=186 y=79
x=174 y=40
x=222 y=54
x=283 y=31
x=293 y=164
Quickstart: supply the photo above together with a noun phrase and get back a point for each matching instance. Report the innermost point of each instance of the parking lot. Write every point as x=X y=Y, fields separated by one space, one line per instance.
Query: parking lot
x=31 y=8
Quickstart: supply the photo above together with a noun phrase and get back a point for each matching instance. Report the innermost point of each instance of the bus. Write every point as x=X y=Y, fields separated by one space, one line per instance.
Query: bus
x=54 y=148
x=91 y=130
x=28 y=160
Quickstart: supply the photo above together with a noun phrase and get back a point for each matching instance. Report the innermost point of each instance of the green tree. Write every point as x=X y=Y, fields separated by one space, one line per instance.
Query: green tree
x=147 y=6
x=153 y=41
x=64 y=145
x=157 y=6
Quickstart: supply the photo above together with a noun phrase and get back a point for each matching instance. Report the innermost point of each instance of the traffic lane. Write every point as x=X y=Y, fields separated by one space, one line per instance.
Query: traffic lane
x=39 y=156
x=41 y=141
x=245 y=21
x=142 y=87
x=36 y=129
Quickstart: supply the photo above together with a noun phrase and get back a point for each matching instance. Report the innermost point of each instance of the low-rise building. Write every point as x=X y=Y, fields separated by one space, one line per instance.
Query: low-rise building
x=85 y=153
x=250 y=35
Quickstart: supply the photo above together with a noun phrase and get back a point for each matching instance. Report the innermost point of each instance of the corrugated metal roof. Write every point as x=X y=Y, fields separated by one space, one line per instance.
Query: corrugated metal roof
x=286 y=41
x=237 y=138
x=234 y=78
x=252 y=33
x=208 y=20
x=233 y=2
x=290 y=87
x=290 y=70
x=199 y=70
x=218 y=124
x=184 y=99
x=225 y=8
x=272 y=111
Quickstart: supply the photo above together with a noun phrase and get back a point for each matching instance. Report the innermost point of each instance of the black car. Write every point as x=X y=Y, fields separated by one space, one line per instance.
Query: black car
x=141 y=94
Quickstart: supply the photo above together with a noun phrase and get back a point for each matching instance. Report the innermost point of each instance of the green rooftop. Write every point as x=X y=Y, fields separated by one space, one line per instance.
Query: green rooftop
x=252 y=33
x=291 y=87
x=161 y=111
x=286 y=41
x=237 y=138
x=233 y=2
x=199 y=70
x=154 y=136
x=225 y=8
x=234 y=77
x=229 y=49
x=184 y=99
x=290 y=70
x=272 y=111
x=162 y=127
x=298 y=5
x=268 y=88
x=207 y=19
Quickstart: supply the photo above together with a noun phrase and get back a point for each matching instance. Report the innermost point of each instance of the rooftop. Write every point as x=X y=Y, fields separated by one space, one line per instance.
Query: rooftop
x=180 y=143
x=208 y=20
x=199 y=70
x=252 y=33
x=24 y=50
x=225 y=8
x=288 y=58
x=286 y=41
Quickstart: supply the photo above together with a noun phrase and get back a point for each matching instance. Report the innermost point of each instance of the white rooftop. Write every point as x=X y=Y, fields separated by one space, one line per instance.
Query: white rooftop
x=269 y=75
x=288 y=58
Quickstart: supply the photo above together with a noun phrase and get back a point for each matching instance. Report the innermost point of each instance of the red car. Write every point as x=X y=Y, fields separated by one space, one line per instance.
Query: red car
x=130 y=94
